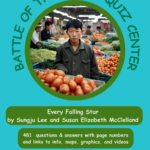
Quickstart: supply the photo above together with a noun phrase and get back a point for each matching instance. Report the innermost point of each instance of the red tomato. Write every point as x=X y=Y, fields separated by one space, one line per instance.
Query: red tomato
x=50 y=78
x=64 y=88
x=79 y=92
x=53 y=88
x=72 y=93
x=47 y=84
x=37 y=72
x=78 y=87
x=43 y=80
x=91 y=82
x=78 y=79
x=87 y=89
x=83 y=83
x=61 y=77
x=41 y=74
x=59 y=73
x=57 y=82
x=66 y=80
x=68 y=93
x=72 y=85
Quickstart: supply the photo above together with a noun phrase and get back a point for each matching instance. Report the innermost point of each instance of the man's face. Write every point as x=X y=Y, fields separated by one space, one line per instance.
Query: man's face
x=98 y=29
x=48 y=27
x=38 y=29
x=74 y=34
x=88 y=28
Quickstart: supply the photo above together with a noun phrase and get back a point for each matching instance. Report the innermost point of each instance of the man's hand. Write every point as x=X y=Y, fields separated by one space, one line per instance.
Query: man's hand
x=52 y=38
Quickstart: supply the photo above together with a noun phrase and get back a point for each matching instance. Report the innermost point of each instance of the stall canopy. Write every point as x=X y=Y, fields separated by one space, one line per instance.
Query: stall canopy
x=82 y=13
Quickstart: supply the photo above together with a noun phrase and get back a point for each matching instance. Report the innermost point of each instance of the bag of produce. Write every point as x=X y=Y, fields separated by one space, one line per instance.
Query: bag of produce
x=107 y=48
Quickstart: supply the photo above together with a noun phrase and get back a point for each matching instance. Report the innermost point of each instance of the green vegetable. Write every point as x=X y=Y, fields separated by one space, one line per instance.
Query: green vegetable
x=102 y=39
x=57 y=36
x=41 y=55
x=109 y=39
x=33 y=50
x=50 y=46
x=115 y=37
x=111 y=52
x=107 y=48
x=100 y=58
x=116 y=45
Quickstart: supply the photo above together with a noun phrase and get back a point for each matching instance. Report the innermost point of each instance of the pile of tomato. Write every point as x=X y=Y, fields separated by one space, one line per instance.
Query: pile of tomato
x=108 y=65
x=57 y=81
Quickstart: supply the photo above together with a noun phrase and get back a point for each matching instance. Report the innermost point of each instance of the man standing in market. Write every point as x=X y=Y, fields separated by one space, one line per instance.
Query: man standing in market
x=88 y=31
x=99 y=31
x=63 y=31
x=35 y=42
x=45 y=34
x=75 y=57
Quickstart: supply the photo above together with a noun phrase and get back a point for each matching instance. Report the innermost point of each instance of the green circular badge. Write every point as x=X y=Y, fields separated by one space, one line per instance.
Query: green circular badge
x=122 y=47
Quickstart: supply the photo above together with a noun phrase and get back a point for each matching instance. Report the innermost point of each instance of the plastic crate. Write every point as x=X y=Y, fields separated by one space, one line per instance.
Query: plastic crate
x=39 y=69
x=42 y=65
x=105 y=77
x=38 y=66
x=107 y=55
x=93 y=40
x=108 y=35
x=98 y=45
x=84 y=37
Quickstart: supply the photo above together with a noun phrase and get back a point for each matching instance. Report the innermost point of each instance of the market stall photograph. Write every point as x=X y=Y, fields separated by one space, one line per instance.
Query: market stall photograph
x=75 y=50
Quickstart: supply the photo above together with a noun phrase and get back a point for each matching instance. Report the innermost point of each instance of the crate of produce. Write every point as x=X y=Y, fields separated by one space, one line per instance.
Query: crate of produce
x=86 y=41
x=107 y=55
x=84 y=36
x=42 y=55
x=99 y=54
x=97 y=36
x=50 y=46
x=108 y=35
x=32 y=50
x=98 y=83
x=95 y=40
x=44 y=65
x=105 y=77
x=68 y=84
x=96 y=47
x=38 y=66
x=98 y=44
